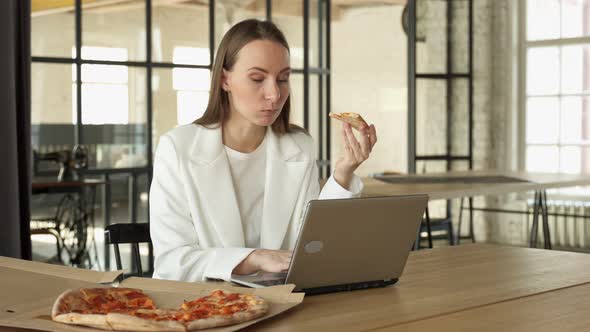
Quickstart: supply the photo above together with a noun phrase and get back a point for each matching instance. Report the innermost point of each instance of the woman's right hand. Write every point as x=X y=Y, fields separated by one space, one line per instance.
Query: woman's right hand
x=265 y=260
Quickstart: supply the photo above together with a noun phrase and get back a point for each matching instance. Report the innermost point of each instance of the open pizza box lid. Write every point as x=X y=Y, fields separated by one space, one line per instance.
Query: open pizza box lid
x=29 y=289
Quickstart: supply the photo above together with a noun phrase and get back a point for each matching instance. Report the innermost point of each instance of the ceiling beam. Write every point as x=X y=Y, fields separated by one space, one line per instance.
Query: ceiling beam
x=360 y=3
x=280 y=7
x=48 y=7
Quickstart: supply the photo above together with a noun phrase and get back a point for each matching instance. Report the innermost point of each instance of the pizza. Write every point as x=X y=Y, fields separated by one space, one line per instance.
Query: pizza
x=355 y=120
x=129 y=309
x=90 y=306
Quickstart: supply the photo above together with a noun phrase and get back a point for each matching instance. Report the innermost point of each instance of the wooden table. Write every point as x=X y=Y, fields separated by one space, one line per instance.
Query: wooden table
x=562 y=310
x=453 y=285
x=467 y=185
x=49 y=186
x=462 y=184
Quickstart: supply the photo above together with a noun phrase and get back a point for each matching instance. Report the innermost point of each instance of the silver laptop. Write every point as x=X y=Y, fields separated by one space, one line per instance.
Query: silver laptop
x=347 y=244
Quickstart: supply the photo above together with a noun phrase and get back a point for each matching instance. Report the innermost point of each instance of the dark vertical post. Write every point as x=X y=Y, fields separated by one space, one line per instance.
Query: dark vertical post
x=470 y=106
x=328 y=83
x=535 y=225
x=470 y=92
x=15 y=171
x=149 y=93
x=211 y=31
x=136 y=254
x=106 y=210
x=133 y=204
x=133 y=197
x=23 y=119
x=306 y=64
x=471 y=230
x=411 y=86
x=321 y=113
x=149 y=96
x=545 y=214
x=449 y=92
x=78 y=25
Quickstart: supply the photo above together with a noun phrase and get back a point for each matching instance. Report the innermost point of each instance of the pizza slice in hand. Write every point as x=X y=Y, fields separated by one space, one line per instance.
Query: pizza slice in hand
x=354 y=119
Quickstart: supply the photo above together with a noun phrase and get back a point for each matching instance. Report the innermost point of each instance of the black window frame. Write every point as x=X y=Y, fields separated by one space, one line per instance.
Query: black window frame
x=322 y=72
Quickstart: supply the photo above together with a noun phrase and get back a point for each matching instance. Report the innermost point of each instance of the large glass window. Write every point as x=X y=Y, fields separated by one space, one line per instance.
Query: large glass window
x=191 y=85
x=116 y=75
x=105 y=98
x=557 y=78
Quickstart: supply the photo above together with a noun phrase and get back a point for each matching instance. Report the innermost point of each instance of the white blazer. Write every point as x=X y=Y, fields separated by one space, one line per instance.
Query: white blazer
x=195 y=224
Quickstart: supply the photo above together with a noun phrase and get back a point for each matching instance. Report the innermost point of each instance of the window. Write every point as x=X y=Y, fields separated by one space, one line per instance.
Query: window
x=557 y=78
x=105 y=91
x=141 y=76
x=191 y=84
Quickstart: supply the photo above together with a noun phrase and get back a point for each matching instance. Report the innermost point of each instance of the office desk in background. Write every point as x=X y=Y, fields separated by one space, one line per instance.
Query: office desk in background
x=452 y=185
x=458 y=286
x=462 y=184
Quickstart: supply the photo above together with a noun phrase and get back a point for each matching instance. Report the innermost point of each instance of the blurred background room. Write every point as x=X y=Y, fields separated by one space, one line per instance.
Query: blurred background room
x=451 y=85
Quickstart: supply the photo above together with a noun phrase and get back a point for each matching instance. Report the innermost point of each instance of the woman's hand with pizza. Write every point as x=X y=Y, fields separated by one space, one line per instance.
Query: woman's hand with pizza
x=354 y=152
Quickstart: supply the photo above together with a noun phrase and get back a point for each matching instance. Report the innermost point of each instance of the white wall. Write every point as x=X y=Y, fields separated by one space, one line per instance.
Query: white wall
x=369 y=63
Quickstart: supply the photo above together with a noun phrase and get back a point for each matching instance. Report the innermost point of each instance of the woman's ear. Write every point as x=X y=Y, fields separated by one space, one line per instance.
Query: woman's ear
x=225 y=80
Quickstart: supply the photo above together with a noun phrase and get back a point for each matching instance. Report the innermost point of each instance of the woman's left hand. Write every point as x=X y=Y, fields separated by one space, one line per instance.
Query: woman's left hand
x=354 y=152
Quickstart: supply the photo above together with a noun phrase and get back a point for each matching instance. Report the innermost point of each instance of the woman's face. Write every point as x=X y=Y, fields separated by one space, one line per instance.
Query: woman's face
x=258 y=84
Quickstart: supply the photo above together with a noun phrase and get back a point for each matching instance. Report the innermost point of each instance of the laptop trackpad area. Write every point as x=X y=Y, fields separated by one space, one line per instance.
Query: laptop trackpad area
x=263 y=278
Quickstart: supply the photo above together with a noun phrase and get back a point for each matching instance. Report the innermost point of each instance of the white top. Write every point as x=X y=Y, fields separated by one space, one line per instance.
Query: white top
x=247 y=171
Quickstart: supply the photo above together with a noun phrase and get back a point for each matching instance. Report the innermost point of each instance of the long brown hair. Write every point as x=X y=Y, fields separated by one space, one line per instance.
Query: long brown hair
x=237 y=37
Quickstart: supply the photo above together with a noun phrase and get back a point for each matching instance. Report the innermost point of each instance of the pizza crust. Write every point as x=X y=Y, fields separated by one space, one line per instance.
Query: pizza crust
x=92 y=320
x=122 y=322
x=354 y=119
x=61 y=305
x=72 y=300
x=218 y=321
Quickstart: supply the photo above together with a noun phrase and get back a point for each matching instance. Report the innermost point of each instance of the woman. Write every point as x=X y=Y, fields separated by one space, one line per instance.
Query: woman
x=229 y=190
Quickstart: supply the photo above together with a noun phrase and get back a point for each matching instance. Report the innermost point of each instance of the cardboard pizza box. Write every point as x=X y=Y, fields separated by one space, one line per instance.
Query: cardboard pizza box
x=29 y=289
x=172 y=293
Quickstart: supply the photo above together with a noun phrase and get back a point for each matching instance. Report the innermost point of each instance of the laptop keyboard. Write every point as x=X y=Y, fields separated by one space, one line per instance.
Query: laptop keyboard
x=272 y=279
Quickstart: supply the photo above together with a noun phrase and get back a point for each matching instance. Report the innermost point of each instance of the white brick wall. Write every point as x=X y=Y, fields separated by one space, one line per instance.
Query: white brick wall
x=492 y=100
x=369 y=65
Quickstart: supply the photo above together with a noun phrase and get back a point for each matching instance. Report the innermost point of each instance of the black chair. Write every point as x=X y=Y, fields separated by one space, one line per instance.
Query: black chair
x=436 y=224
x=444 y=225
x=133 y=234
